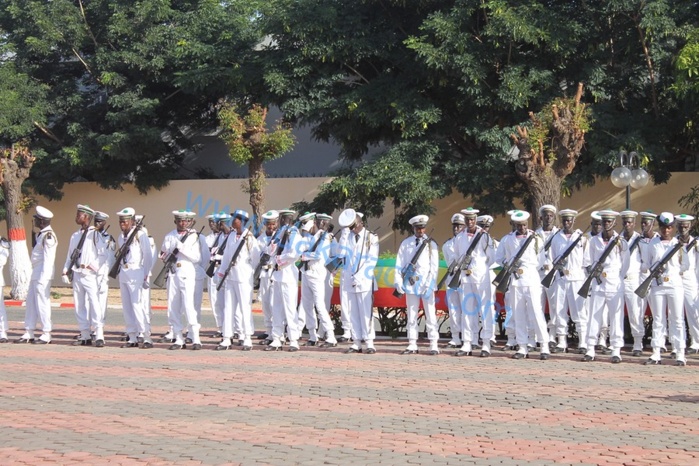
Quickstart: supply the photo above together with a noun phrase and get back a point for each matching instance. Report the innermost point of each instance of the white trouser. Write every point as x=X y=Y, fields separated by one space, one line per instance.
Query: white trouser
x=199 y=295
x=103 y=294
x=547 y=299
x=609 y=306
x=38 y=308
x=313 y=295
x=4 y=326
x=145 y=301
x=635 y=308
x=361 y=310
x=510 y=327
x=180 y=300
x=454 y=306
x=238 y=301
x=413 y=303
x=264 y=294
x=526 y=304
x=284 y=300
x=213 y=295
x=134 y=313
x=565 y=298
x=691 y=308
x=218 y=309
x=345 y=314
x=476 y=302
x=88 y=309
x=667 y=306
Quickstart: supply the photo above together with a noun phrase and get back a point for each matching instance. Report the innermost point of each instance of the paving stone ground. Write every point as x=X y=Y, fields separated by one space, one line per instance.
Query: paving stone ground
x=83 y=405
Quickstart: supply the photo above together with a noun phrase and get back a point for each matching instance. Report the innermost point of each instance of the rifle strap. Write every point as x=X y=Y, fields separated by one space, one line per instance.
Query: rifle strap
x=635 y=243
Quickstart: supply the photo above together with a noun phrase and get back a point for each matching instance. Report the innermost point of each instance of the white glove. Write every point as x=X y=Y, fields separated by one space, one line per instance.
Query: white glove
x=217 y=278
x=145 y=284
x=218 y=257
x=65 y=279
x=399 y=288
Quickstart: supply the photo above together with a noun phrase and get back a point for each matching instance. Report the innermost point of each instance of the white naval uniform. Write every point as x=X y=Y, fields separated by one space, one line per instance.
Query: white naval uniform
x=135 y=267
x=105 y=253
x=201 y=277
x=264 y=293
x=475 y=291
x=238 y=286
x=607 y=298
x=218 y=304
x=181 y=283
x=284 y=286
x=88 y=309
x=361 y=253
x=426 y=269
x=39 y=292
x=314 y=280
x=4 y=326
x=635 y=305
x=453 y=300
x=691 y=292
x=344 y=297
x=564 y=289
x=666 y=298
x=547 y=295
x=213 y=240
x=526 y=290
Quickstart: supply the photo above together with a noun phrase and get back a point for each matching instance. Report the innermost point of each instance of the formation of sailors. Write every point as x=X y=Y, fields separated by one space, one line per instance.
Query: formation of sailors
x=589 y=278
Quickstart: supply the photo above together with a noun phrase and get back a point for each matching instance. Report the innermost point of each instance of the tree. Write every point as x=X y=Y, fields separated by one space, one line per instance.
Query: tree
x=23 y=110
x=251 y=143
x=460 y=77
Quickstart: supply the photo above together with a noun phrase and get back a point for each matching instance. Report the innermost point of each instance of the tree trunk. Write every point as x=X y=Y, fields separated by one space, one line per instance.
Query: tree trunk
x=256 y=178
x=16 y=164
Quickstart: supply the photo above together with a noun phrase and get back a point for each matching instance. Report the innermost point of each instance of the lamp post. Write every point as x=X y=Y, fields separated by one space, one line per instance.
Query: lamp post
x=629 y=174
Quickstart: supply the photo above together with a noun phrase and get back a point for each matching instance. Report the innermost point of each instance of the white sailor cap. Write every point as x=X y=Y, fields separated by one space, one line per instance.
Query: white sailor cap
x=270 y=216
x=628 y=214
x=183 y=213
x=546 y=207
x=666 y=219
x=595 y=215
x=510 y=212
x=684 y=218
x=86 y=209
x=323 y=217
x=241 y=214
x=347 y=218
x=470 y=212
x=419 y=221
x=126 y=212
x=458 y=219
x=283 y=212
x=307 y=225
x=100 y=216
x=307 y=216
x=360 y=215
x=221 y=217
x=486 y=220
x=211 y=217
x=520 y=216
x=567 y=213
x=43 y=212
x=649 y=214
x=608 y=213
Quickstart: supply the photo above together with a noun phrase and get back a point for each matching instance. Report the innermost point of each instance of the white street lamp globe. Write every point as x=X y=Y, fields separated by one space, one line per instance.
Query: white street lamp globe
x=621 y=177
x=639 y=178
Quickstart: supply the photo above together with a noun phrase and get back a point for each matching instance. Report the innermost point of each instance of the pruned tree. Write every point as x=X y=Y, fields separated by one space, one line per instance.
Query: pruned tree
x=251 y=143
x=549 y=148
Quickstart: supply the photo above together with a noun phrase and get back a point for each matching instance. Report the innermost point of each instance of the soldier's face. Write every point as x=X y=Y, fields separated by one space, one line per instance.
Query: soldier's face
x=547 y=219
x=181 y=223
x=213 y=226
x=419 y=231
x=608 y=224
x=683 y=228
x=666 y=231
x=596 y=227
x=521 y=228
x=567 y=223
x=471 y=223
x=647 y=225
x=270 y=228
x=456 y=228
x=629 y=224
x=237 y=224
x=81 y=218
x=99 y=224
x=125 y=224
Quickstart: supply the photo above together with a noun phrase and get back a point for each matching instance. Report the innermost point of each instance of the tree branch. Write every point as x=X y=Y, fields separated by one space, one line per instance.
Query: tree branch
x=89 y=31
x=47 y=132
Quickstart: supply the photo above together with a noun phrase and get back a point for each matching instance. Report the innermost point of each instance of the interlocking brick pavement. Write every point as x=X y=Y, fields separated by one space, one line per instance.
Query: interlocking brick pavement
x=84 y=405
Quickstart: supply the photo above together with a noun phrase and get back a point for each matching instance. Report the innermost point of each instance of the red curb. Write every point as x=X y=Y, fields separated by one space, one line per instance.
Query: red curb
x=17 y=303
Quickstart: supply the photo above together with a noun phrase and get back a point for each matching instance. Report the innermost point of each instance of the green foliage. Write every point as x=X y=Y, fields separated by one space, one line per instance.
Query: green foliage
x=23 y=104
x=690 y=201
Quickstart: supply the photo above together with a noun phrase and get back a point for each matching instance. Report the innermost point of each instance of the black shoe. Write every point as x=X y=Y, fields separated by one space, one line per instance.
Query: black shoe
x=544 y=356
x=24 y=340
x=616 y=359
x=600 y=347
x=264 y=336
x=82 y=343
x=509 y=348
x=310 y=343
x=433 y=352
x=188 y=341
x=680 y=362
x=247 y=348
x=652 y=362
x=175 y=346
x=147 y=345
x=636 y=353
x=673 y=355
x=520 y=356
x=196 y=346
x=370 y=351
x=351 y=350
x=273 y=348
x=692 y=351
x=99 y=343
x=559 y=349
x=166 y=340
x=266 y=342
x=328 y=345
x=485 y=354
x=222 y=347
x=410 y=351
x=588 y=358
x=130 y=345
x=582 y=350
x=4 y=340
x=463 y=353
x=217 y=335
x=139 y=340
x=38 y=341
x=343 y=340
x=451 y=345
x=293 y=349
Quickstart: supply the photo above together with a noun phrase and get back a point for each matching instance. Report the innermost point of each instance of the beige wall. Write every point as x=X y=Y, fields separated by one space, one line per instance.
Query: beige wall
x=208 y=196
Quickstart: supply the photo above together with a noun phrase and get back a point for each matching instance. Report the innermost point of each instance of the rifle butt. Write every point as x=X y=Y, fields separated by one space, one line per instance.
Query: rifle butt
x=160 y=279
x=548 y=279
x=643 y=288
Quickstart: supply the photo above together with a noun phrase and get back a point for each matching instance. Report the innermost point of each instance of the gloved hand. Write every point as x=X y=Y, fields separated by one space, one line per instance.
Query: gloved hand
x=146 y=284
x=217 y=278
x=399 y=288
x=65 y=279
x=217 y=257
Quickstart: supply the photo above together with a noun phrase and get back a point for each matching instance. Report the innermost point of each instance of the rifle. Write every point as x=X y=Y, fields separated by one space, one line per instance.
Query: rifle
x=170 y=262
x=121 y=253
x=635 y=243
x=243 y=239
x=547 y=245
x=264 y=261
x=464 y=263
x=408 y=271
x=659 y=268
x=558 y=264
x=596 y=270
x=502 y=280
x=213 y=262
x=321 y=238
x=75 y=255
